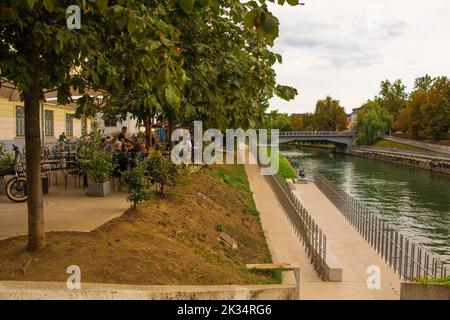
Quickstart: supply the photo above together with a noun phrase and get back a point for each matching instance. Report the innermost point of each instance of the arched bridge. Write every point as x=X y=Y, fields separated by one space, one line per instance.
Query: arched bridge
x=342 y=139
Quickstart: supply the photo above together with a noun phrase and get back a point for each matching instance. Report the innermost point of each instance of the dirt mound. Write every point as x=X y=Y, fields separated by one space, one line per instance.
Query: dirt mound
x=171 y=240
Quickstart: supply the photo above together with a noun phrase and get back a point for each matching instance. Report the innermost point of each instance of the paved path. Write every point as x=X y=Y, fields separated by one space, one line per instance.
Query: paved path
x=353 y=252
x=286 y=248
x=69 y=210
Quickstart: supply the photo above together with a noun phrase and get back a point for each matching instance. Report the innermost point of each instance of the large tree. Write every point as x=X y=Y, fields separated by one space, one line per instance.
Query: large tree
x=427 y=111
x=38 y=53
x=329 y=115
x=372 y=122
x=131 y=51
x=392 y=97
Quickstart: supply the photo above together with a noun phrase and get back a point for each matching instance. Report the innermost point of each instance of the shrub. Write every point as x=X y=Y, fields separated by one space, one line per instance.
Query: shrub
x=220 y=228
x=94 y=161
x=162 y=170
x=135 y=179
x=6 y=161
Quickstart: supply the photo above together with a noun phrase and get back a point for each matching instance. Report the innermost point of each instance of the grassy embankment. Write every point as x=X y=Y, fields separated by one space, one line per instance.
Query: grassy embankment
x=171 y=240
x=387 y=144
x=286 y=170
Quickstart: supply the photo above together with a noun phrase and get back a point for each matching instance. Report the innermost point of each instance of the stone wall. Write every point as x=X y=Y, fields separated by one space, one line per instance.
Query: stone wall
x=59 y=291
x=437 y=165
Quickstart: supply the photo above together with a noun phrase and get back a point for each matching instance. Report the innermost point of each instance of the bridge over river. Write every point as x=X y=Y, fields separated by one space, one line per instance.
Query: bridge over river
x=342 y=139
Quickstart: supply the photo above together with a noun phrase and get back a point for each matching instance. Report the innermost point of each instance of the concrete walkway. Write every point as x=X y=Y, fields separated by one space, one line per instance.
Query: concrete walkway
x=286 y=248
x=65 y=210
x=352 y=250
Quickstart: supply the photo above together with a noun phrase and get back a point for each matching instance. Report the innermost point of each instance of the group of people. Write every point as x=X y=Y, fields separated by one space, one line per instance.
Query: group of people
x=125 y=150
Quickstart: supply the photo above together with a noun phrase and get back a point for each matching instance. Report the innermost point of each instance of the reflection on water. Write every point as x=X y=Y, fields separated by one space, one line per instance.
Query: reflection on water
x=415 y=202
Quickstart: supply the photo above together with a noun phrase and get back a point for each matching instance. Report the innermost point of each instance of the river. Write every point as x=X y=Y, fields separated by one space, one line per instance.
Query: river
x=414 y=201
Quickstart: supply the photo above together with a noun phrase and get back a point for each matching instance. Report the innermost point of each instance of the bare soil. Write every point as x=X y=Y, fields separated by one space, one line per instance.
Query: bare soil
x=171 y=240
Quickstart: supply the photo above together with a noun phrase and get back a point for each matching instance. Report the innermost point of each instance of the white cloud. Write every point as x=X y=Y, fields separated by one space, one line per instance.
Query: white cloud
x=345 y=48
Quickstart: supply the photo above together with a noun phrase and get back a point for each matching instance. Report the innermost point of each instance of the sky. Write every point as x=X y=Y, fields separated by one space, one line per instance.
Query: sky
x=345 y=48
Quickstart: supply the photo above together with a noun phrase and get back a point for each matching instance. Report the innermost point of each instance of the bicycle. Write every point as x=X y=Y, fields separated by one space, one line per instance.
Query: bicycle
x=16 y=187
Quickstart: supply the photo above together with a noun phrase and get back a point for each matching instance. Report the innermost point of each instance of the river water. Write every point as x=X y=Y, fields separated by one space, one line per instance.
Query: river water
x=414 y=201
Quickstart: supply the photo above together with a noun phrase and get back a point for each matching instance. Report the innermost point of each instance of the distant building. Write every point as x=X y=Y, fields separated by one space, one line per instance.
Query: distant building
x=353 y=117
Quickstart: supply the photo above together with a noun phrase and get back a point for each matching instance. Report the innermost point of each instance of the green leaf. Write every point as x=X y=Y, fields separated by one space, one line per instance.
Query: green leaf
x=187 y=5
x=102 y=4
x=172 y=97
x=49 y=5
x=31 y=3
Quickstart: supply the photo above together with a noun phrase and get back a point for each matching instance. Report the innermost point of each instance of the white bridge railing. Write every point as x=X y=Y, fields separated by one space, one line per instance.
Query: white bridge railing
x=317 y=134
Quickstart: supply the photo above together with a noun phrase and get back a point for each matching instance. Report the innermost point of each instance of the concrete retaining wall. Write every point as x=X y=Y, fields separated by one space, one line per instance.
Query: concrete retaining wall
x=436 y=165
x=418 y=291
x=59 y=291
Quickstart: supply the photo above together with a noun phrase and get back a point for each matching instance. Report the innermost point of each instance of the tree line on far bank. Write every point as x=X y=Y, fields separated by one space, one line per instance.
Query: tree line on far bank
x=329 y=116
x=424 y=113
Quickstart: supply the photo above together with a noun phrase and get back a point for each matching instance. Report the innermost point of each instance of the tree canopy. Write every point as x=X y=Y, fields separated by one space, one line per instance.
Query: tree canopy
x=329 y=115
x=373 y=121
x=206 y=58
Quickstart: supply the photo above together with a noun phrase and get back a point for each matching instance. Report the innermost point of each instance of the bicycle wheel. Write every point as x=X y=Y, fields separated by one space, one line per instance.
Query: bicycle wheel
x=16 y=189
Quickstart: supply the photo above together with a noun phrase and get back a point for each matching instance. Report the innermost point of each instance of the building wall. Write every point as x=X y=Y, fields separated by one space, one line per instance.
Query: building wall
x=8 y=120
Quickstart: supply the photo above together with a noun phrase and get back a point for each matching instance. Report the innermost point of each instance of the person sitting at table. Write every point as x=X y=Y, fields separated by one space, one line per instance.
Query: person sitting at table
x=62 y=139
x=120 y=158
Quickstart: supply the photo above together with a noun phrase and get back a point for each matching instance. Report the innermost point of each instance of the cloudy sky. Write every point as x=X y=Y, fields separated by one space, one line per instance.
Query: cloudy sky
x=345 y=48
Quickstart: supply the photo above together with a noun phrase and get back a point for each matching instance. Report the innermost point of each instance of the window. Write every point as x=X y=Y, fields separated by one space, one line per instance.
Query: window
x=49 y=125
x=110 y=121
x=69 y=125
x=20 y=121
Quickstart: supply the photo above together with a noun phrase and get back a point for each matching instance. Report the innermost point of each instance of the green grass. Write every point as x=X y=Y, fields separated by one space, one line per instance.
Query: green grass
x=443 y=281
x=285 y=170
x=386 y=144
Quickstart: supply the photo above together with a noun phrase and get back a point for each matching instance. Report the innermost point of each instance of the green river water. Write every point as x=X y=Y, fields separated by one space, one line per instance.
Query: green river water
x=414 y=201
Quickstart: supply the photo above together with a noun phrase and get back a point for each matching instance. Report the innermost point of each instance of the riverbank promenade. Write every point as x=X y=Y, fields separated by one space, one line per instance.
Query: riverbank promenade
x=353 y=253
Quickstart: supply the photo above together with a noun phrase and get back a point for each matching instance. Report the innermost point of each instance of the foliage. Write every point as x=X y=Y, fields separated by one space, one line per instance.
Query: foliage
x=442 y=281
x=94 y=161
x=281 y=122
x=329 y=115
x=136 y=181
x=162 y=170
x=6 y=161
x=297 y=123
x=372 y=122
x=427 y=112
x=220 y=228
x=392 y=97
x=218 y=69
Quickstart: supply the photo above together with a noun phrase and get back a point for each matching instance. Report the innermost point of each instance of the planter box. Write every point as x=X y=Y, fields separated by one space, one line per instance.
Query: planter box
x=418 y=291
x=99 y=189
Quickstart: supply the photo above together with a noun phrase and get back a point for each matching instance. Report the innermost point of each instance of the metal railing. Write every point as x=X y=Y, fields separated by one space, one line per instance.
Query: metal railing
x=311 y=236
x=317 y=133
x=408 y=260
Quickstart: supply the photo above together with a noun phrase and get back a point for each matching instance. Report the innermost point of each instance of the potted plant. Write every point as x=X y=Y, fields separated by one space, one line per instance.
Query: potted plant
x=96 y=163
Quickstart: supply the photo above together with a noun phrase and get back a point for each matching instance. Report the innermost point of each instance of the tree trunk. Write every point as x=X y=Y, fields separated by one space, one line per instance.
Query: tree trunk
x=171 y=126
x=36 y=233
